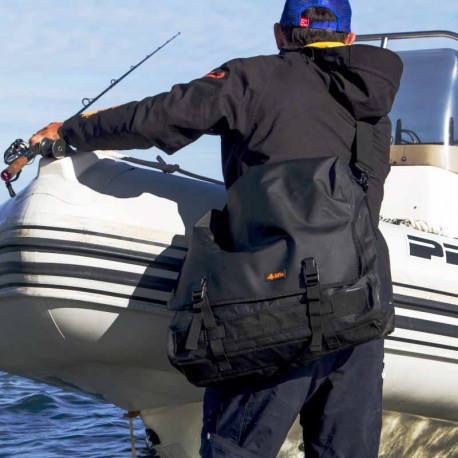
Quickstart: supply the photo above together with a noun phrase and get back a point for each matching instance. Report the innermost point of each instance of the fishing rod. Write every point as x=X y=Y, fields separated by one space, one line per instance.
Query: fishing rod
x=88 y=102
x=19 y=154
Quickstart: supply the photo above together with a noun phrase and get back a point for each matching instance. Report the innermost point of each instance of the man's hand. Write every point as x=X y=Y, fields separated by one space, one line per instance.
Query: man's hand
x=49 y=131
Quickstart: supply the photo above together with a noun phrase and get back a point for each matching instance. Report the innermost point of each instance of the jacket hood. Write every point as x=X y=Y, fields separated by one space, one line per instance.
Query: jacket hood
x=365 y=79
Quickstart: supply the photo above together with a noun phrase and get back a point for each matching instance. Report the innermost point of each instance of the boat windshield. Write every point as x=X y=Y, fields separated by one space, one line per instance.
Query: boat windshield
x=426 y=107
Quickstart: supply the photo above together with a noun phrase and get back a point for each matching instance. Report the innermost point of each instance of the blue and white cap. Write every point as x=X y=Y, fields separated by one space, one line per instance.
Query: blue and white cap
x=341 y=8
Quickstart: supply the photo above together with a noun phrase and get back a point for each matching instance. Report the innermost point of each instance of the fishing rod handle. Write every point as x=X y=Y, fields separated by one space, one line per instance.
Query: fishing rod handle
x=10 y=172
x=47 y=148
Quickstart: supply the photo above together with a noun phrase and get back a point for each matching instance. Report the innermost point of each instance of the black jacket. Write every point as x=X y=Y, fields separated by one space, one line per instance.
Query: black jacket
x=300 y=103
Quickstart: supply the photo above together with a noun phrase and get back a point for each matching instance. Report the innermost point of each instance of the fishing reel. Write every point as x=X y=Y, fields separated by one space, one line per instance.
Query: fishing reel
x=46 y=148
x=17 y=149
x=14 y=152
x=19 y=154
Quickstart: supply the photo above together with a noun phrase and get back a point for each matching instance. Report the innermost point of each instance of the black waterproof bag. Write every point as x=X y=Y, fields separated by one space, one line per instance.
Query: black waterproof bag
x=290 y=271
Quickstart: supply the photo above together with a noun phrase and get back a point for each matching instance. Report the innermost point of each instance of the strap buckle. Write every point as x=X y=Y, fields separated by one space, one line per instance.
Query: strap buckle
x=311 y=276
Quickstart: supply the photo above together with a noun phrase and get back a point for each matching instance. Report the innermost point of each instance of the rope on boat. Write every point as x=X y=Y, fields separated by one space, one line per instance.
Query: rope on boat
x=131 y=416
x=415 y=224
x=160 y=165
x=175 y=168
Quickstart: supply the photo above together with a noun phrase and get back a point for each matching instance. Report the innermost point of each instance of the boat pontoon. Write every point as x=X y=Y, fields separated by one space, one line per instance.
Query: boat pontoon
x=91 y=249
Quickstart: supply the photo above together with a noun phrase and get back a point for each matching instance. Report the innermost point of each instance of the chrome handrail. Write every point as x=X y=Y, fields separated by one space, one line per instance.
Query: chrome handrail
x=385 y=37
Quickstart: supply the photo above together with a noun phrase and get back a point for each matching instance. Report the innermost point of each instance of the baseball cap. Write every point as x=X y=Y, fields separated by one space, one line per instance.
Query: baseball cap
x=341 y=8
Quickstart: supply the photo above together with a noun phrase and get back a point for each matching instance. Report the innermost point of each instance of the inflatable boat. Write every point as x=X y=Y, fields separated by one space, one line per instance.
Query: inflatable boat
x=91 y=249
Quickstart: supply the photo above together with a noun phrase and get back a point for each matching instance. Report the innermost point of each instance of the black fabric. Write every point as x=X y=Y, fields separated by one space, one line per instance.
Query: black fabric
x=302 y=249
x=339 y=398
x=266 y=109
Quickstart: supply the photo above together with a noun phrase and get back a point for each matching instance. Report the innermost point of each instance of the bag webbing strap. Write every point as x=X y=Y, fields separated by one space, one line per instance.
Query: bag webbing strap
x=332 y=341
x=195 y=328
x=204 y=319
x=311 y=278
x=363 y=158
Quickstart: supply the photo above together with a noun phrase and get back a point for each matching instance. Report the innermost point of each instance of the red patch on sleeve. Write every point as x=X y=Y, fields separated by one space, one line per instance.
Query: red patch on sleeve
x=216 y=74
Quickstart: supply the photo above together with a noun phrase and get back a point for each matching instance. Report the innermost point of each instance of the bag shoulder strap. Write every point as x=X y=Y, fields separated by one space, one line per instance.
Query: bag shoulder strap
x=362 y=152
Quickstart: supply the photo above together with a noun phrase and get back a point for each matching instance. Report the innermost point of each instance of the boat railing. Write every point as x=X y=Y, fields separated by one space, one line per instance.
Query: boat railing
x=385 y=37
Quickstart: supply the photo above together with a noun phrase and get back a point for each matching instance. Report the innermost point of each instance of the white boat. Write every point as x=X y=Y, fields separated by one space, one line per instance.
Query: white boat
x=91 y=249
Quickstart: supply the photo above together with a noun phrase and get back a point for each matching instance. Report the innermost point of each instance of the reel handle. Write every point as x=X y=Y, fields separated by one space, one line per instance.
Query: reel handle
x=57 y=149
x=60 y=149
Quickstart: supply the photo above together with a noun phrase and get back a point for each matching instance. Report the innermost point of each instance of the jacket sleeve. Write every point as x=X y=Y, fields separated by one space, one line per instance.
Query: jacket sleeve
x=168 y=121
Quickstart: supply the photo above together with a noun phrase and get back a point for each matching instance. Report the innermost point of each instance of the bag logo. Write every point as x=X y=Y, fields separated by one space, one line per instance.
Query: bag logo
x=274 y=276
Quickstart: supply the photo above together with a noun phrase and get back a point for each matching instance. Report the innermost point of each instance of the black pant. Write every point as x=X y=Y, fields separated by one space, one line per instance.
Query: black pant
x=338 y=398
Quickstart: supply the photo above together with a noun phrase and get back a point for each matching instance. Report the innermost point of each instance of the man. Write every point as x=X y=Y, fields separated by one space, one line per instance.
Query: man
x=303 y=102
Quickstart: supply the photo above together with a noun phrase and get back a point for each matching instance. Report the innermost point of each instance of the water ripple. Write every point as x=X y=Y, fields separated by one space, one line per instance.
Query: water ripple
x=40 y=421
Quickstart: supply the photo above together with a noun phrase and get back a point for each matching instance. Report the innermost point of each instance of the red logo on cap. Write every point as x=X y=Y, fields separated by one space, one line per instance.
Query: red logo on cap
x=305 y=22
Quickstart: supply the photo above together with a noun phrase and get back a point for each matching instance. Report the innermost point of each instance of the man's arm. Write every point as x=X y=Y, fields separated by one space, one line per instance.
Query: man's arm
x=168 y=121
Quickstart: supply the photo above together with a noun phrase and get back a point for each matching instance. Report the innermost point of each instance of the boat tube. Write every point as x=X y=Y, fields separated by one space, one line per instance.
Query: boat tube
x=90 y=252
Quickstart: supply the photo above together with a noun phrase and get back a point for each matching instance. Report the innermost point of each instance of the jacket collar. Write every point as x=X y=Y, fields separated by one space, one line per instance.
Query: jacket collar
x=326 y=44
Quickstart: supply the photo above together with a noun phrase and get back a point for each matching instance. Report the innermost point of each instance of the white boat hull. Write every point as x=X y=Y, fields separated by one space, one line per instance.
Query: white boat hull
x=89 y=254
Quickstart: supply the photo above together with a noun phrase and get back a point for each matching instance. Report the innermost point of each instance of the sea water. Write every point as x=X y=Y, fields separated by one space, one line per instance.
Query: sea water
x=39 y=421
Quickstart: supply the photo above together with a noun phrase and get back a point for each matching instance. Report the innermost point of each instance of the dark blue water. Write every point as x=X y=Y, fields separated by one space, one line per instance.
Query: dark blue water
x=40 y=421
